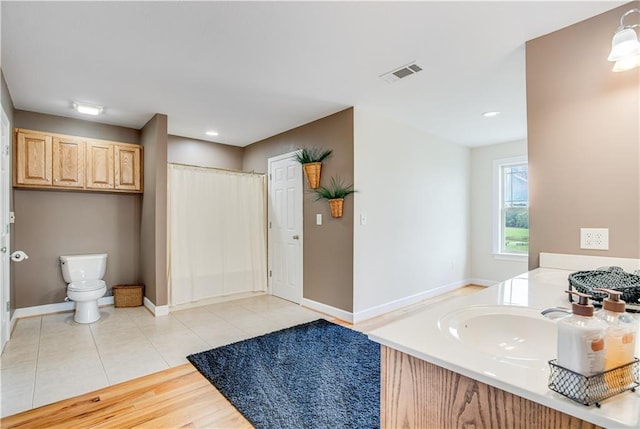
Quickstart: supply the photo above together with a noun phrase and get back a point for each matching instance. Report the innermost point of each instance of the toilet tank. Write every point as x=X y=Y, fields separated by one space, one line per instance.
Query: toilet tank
x=83 y=267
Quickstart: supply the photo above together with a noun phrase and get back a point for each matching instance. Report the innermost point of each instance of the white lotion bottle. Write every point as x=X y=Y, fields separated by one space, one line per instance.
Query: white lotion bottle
x=621 y=330
x=581 y=339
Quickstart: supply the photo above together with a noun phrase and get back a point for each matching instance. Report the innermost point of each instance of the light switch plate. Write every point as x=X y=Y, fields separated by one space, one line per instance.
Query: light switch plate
x=318 y=218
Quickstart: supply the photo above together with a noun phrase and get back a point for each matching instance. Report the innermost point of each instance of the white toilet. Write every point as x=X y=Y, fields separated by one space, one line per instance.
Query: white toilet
x=84 y=274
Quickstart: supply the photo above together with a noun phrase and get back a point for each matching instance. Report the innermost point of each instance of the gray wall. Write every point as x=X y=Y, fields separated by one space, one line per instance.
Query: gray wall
x=183 y=150
x=153 y=229
x=75 y=127
x=7 y=106
x=53 y=223
x=584 y=141
x=7 y=102
x=328 y=249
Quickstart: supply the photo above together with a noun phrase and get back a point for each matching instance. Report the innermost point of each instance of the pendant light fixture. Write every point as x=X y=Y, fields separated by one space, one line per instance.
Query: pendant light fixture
x=625 y=47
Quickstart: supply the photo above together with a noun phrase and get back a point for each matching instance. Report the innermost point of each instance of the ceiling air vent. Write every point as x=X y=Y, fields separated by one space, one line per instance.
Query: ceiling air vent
x=399 y=73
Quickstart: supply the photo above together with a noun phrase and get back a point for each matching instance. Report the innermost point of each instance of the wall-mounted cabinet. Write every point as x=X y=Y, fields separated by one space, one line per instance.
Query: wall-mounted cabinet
x=33 y=159
x=100 y=165
x=49 y=161
x=68 y=162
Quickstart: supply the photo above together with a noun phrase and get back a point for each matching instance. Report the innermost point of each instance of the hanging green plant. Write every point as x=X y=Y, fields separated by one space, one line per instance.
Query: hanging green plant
x=312 y=154
x=311 y=160
x=335 y=194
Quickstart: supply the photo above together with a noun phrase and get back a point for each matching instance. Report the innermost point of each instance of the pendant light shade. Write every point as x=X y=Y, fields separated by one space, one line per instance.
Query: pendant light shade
x=625 y=47
x=625 y=43
x=627 y=63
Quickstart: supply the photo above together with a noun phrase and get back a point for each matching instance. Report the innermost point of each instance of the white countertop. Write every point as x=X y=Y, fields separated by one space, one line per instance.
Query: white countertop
x=419 y=335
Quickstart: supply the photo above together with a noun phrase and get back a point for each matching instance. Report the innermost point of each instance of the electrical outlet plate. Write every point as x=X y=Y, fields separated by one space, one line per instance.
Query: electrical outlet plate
x=594 y=238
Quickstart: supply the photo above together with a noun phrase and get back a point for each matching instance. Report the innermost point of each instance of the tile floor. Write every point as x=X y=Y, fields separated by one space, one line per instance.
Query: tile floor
x=51 y=357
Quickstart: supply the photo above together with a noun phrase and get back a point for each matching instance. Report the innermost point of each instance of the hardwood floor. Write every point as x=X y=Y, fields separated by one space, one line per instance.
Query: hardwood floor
x=179 y=397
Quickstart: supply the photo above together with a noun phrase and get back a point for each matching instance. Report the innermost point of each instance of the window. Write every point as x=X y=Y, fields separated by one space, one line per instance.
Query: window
x=511 y=208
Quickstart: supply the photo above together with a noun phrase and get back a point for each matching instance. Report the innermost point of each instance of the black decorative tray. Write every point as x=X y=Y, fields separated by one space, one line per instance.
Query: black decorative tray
x=614 y=278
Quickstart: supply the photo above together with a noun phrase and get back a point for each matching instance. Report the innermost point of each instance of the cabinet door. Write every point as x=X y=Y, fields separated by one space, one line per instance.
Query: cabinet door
x=127 y=167
x=33 y=159
x=68 y=162
x=99 y=165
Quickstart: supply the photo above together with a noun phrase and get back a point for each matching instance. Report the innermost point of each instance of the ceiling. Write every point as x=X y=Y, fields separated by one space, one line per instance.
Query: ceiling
x=250 y=70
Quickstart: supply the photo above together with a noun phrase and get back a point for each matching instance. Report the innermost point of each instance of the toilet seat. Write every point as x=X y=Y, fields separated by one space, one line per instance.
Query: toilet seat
x=86 y=285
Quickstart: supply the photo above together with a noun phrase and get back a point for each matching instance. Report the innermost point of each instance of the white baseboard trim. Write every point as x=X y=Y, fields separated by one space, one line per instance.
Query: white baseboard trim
x=327 y=309
x=156 y=310
x=403 y=302
x=483 y=282
x=41 y=310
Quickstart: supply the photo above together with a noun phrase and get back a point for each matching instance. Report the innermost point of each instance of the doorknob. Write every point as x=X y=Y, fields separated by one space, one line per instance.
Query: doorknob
x=296 y=237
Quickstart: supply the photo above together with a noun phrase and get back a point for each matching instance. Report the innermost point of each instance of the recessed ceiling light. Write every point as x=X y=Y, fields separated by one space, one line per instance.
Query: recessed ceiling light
x=212 y=133
x=491 y=114
x=88 y=109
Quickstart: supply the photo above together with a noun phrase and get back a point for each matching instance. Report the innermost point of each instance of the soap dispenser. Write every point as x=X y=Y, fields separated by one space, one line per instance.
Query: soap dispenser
x=581 y=338
x=621 y=330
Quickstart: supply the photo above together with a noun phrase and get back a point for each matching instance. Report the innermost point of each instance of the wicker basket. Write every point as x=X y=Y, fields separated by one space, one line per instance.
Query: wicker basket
x=312 y=171
x=611 y=278
x=128 y=295
x=336 y=206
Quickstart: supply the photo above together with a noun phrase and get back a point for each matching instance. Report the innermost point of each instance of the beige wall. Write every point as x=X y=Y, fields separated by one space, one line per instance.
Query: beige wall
x=53 y=223
x=153 y=226
x=183 y=150
x=328 y=249
x=584 y=141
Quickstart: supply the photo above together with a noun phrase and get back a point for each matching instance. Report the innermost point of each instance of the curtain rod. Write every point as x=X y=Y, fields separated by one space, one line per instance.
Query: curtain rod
x=227 y=170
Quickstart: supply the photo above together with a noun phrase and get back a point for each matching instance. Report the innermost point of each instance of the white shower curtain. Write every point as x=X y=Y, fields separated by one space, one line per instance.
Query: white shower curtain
x=217 y=233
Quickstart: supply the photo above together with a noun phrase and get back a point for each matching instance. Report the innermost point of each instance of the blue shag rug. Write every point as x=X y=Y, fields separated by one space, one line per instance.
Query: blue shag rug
x=315 y=375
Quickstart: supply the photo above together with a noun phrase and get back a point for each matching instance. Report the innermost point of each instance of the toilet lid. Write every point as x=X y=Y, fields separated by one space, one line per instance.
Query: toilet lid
x=86 y=285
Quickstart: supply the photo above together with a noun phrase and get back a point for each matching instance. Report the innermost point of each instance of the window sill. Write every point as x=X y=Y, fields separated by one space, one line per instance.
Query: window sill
x=511 y=257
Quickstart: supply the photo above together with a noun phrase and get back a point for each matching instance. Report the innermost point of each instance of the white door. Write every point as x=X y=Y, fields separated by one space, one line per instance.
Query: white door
x=5 y=189
x=285 y=227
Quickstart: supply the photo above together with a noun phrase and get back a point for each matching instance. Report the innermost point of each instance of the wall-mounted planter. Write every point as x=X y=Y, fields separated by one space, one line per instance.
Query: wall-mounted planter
x=312 y=171
x=334 y=193
x=311 y=160
x=336 y=205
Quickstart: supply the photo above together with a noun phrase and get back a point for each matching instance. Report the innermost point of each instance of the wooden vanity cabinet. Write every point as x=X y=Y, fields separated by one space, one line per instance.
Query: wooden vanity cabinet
x=32 y=159
x=48 y=161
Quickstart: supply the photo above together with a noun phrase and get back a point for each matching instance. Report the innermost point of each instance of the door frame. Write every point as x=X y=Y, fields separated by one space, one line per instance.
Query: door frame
x=5 y=222
x=298 y=214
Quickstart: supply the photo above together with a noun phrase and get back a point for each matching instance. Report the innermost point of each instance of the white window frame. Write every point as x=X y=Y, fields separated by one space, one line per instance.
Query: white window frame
x=497 y=205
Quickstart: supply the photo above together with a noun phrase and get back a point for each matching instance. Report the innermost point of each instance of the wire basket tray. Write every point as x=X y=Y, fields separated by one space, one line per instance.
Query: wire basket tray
x=589 y=390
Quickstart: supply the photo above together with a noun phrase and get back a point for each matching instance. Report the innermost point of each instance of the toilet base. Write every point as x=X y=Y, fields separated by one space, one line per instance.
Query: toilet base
x=87 y=312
